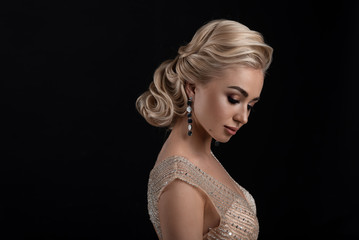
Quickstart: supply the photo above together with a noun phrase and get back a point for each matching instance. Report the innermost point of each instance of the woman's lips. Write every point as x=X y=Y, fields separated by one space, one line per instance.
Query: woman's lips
x=231 y=130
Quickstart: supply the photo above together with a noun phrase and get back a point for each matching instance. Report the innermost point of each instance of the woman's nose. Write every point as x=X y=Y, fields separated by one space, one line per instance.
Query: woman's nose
x=242 y=115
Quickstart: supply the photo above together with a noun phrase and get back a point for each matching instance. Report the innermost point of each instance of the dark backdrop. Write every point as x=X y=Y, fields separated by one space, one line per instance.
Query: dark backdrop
x=76 y=155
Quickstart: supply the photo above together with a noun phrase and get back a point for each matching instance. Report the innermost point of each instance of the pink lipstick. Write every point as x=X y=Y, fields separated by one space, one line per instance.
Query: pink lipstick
x=231 y=130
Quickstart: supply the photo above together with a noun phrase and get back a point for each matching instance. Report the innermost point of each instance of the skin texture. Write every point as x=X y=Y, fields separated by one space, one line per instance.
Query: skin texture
x=217 y=104
x=185 y=211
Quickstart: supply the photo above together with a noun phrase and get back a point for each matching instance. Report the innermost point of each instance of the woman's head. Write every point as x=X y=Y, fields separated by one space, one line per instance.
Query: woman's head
x=216 y=47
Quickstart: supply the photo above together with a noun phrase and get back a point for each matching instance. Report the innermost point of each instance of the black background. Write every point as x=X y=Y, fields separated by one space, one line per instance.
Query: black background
x=77 y=154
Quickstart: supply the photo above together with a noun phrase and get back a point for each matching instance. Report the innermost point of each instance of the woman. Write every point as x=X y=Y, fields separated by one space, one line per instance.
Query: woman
x=205 y=93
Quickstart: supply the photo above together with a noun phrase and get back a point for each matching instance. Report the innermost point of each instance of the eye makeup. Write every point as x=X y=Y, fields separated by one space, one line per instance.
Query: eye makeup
x=232 y=100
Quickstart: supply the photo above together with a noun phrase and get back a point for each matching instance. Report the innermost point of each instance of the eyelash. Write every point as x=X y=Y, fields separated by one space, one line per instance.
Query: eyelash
x=233 y=101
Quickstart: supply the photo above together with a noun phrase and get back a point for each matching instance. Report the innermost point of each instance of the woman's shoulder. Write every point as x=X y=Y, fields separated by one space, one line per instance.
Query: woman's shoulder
x=176 y=162
x=170 y=162
x=178 y=155
x=176 y=165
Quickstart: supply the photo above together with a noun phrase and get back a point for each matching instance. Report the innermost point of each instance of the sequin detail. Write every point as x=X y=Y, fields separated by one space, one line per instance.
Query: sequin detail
x=237 y=214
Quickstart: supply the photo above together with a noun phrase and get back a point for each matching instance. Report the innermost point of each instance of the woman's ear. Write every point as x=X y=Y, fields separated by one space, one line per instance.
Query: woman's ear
x=190 y=89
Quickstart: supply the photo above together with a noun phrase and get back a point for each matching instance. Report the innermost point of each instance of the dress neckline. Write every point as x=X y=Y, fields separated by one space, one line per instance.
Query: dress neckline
x=229 y=190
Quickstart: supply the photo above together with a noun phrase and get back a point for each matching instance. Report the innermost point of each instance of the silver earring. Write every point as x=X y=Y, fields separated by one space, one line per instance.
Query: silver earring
x=189 y=116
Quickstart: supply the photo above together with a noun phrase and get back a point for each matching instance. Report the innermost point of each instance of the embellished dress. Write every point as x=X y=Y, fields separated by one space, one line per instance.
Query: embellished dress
x=237 y=213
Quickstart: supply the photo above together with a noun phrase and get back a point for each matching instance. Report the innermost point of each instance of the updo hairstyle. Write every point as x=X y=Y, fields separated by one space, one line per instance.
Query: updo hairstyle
x=216 y=46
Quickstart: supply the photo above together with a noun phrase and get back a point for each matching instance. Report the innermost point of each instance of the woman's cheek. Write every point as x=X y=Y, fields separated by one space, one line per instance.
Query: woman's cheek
x=222 y=106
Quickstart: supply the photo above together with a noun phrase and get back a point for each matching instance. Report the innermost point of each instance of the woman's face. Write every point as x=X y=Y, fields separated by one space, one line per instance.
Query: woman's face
x=222 y=106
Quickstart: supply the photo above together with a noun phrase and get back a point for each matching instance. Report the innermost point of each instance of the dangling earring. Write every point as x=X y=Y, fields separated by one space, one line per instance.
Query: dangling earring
x=189 y=116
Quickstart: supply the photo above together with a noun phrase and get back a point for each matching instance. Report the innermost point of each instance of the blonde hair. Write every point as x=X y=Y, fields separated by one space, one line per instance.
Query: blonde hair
x=218 y=45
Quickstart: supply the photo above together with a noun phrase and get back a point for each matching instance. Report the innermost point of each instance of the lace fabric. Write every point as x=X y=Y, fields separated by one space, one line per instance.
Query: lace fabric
x=237 y=214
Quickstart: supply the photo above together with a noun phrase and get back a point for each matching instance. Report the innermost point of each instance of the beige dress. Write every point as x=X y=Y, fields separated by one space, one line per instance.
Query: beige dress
x=237 y=214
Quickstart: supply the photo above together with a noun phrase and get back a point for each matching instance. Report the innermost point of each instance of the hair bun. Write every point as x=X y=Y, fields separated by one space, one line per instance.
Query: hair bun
x=164 y=100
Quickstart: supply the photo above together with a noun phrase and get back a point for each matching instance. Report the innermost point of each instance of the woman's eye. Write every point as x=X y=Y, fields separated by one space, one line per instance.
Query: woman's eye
x=249 y=107
x=232 y=100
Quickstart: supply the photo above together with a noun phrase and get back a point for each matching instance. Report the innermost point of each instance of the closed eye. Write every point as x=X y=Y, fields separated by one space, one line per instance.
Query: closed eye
x=232 y=100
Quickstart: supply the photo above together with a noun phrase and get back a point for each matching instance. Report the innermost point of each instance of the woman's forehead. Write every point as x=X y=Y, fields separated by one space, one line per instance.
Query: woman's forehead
x=247 y=78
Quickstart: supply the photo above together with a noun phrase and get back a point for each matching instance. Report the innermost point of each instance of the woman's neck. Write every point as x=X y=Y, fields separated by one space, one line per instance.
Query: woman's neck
x=199 y=143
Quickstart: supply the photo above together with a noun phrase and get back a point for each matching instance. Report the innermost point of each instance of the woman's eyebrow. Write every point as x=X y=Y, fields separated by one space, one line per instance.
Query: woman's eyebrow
x=243 y=92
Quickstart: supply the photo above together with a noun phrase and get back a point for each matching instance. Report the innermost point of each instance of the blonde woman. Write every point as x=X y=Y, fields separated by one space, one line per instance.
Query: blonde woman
x=206 y=92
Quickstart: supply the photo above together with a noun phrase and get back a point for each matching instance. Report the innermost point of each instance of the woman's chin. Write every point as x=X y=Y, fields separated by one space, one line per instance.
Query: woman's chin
x=222 y=139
